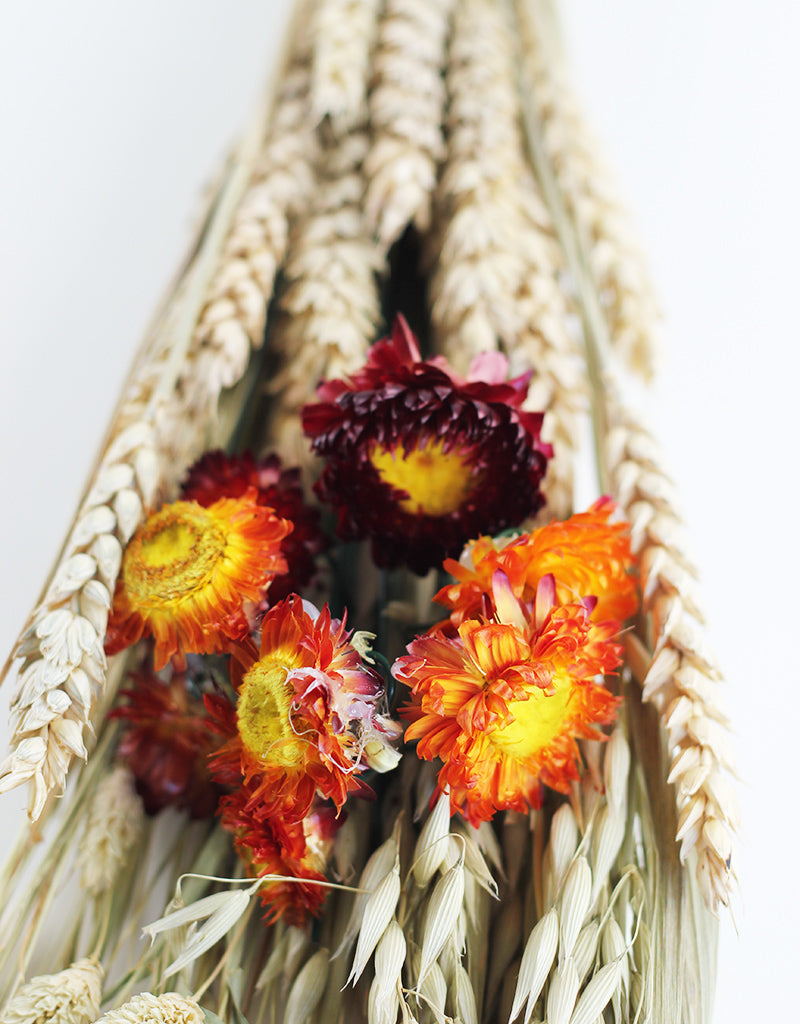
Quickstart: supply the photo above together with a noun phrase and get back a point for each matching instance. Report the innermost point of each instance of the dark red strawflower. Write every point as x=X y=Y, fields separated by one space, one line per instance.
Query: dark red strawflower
x=270 y=845
x=216 y=475
x=166 y=742
x=421 y=460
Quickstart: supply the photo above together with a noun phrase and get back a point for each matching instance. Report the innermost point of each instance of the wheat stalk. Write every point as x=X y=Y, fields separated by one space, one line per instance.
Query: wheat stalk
x=344 y=35
x=479 y=266
x=406 y=106
x=329 y=310
x=496 y=279
x=681 y=676
x=614 y=258
x=233 y=317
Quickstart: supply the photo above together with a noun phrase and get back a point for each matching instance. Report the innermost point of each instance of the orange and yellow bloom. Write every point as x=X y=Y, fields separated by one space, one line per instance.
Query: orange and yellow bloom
x=218 y=475
x=308 y=719
x=503 y=702
x=587 y=554
x=187 y=573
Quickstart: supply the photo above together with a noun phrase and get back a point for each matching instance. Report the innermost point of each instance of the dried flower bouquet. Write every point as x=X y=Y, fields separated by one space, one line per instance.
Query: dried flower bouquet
x=359 y=712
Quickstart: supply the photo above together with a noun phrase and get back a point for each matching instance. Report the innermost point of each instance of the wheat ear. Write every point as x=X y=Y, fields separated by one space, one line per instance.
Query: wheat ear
x=344 y=36
x=478 y=267
x=233 y=317
x=64 y=668
x=329 y=310
x=614 y=258
x=406 y=107
x=681 y=676
x=496 y=277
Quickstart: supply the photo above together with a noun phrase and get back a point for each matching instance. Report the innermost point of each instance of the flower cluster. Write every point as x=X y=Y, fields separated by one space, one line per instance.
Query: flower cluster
x=305 y=718
x=503 y=689
x=289 y=726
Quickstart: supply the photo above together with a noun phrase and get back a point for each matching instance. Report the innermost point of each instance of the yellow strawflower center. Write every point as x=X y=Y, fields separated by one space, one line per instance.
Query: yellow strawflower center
x=537 y=721
x=263 y=714
x=437 y=482
x=174 y=554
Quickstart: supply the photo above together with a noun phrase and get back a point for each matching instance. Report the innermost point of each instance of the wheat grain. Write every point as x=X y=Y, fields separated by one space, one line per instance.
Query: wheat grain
x=681 y=676
x=614 y=259
x=344 y=36
x=406 y=107
x=70 y=997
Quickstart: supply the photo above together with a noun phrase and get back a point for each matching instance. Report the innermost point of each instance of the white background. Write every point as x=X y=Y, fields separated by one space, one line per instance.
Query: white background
x=114 y=116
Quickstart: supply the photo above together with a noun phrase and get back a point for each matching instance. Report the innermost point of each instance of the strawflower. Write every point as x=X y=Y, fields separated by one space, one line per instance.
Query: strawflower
x=217 y=475
x=308 y=715
x=187 y=572
x=419 y=459
x=587 y=554
x=166 y=741
x=503 y=701
x=270 y=845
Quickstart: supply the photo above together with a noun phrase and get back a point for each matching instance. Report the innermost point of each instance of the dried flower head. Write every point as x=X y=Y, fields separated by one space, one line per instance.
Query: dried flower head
x=145 y=1008
x=187 y=572
x=166 y=741
x=217 y=475
x=587 y=554
x=307 y=718
x=271 y=845
x=419 y=459
x=69 y=997
x=503 y=701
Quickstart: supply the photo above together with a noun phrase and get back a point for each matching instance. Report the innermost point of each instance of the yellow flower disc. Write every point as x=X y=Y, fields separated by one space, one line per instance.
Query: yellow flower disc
x=437 y=482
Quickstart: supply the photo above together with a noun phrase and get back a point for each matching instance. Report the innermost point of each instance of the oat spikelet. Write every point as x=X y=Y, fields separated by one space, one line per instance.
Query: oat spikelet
x=681 y=676
x=406 y=106
x=615 y=260
x=146 y=1008
x=233 y=317
x=330 y=308
x=579 y=875
x=114 y=822
x=70 y=997
x=344 y=35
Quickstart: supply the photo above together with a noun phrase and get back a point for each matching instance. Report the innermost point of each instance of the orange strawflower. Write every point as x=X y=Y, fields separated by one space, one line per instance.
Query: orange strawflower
x=187 y=572
x=502 y=702
x=587 y=555
x=308 y=715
